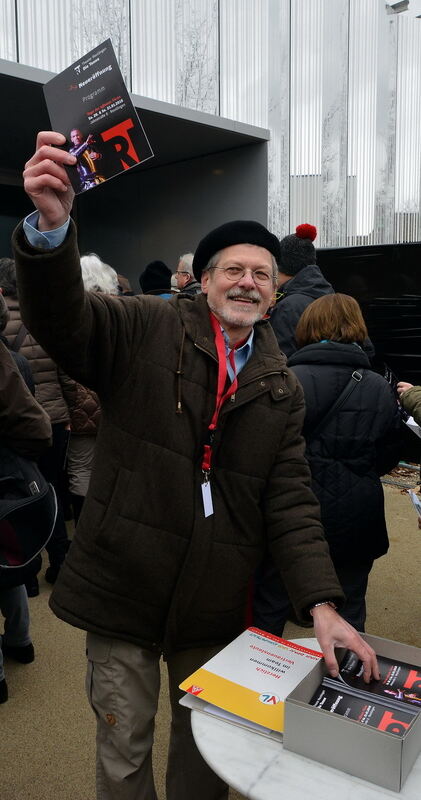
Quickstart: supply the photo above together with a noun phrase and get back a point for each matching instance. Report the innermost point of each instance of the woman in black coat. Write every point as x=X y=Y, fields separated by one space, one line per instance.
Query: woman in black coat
x=348 y=448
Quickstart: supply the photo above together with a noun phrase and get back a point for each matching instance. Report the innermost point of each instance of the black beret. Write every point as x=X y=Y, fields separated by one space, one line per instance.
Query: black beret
x=241 y=231
x=156 y=277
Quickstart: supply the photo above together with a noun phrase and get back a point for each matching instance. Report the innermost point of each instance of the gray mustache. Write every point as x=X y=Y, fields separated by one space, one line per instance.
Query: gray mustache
x=251 y=295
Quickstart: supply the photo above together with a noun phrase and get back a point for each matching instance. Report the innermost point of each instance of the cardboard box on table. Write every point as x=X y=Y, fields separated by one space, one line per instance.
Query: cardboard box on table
x=348 y=745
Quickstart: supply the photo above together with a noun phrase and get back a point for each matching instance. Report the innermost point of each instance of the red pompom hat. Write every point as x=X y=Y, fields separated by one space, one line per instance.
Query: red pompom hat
x=297 y=249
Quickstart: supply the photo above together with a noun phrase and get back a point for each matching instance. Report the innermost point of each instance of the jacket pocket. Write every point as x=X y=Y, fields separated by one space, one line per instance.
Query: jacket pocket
x=99 y=684
x=117 y=497
x=98 y=648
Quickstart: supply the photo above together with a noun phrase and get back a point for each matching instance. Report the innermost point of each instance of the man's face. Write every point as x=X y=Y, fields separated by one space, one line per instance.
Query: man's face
x=181 y=275
x=76 y=137
x=239 y=304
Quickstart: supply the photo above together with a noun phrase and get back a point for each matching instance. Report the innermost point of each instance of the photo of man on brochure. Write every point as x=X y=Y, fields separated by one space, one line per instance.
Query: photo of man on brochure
x=84 y=148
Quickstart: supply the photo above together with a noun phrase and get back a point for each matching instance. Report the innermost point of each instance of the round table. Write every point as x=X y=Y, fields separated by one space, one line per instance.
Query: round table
x=261 y=769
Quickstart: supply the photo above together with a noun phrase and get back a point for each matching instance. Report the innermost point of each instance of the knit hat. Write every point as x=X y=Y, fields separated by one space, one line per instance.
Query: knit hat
x=297 y=249
x=240 y=231
x=156 y=277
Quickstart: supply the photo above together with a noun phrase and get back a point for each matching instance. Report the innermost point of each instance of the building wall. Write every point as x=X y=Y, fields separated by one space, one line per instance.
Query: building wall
x=338 y=82
x=165 y=211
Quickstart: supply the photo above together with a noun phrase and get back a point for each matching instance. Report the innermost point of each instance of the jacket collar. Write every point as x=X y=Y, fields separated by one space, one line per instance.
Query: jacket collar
x=330 y=353
x=309 y=280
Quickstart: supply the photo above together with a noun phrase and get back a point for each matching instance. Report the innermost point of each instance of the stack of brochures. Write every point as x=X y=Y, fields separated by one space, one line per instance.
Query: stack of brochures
x=389 y=704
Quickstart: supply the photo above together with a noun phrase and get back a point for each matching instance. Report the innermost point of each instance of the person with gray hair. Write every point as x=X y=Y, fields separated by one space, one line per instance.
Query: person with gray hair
x=82 y=402
x=186 y=282
x=97 y=275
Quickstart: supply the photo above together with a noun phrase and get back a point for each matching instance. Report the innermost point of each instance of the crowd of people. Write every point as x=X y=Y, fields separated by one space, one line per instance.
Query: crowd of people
x=224 y=433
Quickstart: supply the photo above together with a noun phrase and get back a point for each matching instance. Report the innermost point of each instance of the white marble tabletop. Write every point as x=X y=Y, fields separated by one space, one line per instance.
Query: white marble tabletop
x=261 y=769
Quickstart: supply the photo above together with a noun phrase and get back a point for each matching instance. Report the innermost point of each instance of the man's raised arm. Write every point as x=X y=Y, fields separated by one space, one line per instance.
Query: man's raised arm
x=46 y=181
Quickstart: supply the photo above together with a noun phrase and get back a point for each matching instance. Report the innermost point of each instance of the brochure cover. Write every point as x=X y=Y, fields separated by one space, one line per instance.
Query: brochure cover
x=367 y=711
x=251 y=677
x=416 y=501
x=89 y=104
x=413 y=426
x=398 y=681
x=389 y=704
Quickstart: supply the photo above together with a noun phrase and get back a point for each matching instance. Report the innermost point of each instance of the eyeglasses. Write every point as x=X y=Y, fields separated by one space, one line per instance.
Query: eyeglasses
x=259 y=276
x=181 y=272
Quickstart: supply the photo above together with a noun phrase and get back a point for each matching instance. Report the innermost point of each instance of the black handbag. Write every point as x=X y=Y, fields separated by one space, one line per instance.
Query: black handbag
x=28 y=510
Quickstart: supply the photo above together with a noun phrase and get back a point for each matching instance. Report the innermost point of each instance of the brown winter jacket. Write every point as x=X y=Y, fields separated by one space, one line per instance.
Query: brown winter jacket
x=24 y=425
x=83 y=405
x=47 y=386
x=146 y=565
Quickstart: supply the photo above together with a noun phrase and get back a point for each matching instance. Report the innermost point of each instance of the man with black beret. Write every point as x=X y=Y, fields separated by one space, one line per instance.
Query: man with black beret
x=199 y=466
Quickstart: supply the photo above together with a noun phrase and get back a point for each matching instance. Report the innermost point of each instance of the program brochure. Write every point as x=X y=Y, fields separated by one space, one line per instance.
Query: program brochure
x=416 y=501
x=389 y=704
x=247 y=682
x=88 y=102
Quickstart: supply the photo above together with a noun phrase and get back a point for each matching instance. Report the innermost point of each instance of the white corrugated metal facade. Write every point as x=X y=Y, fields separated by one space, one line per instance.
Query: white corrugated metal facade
x=338 y=82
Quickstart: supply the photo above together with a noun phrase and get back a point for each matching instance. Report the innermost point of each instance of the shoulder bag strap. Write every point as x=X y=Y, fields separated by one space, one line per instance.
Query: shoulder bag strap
x=17 y=344
x=354 y=380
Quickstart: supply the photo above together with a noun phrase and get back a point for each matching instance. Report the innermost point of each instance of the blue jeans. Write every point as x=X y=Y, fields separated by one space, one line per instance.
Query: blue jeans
x=51 y=465
x=271 y=604
x=14 y=607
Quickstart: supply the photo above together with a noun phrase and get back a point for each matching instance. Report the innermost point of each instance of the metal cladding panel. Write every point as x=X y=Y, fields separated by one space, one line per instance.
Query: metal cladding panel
x=197 y=55
x=8 y=40
x=44 y=33
x=279 y=116
x=176 y=52
x=362 y=114
x=54 y=33
x=306 y=112
x=334 y=122
x=154 y=49
x=244 y=61
x=408 y=133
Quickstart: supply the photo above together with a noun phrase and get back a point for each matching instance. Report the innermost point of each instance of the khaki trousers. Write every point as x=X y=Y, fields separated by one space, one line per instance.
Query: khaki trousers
x=122 y=685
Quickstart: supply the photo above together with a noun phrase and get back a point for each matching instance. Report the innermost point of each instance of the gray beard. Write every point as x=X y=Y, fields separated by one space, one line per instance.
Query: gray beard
x=234 y=320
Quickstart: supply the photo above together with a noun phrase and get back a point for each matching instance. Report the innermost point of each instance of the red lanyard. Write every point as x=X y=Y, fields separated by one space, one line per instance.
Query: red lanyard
x=221 y=395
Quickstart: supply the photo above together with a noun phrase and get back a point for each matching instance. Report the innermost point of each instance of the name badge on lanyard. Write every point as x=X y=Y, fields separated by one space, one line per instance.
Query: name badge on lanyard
x=207 y=498
x=221 y=397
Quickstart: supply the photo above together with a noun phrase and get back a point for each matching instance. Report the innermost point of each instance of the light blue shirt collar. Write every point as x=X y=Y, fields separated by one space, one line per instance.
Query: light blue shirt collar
x=241 y=354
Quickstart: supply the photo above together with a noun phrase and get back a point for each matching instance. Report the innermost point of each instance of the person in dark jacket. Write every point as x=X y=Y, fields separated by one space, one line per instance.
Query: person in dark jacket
x=24 y=428
x=199 y=461
x=24 y=367
x=48 y=393
x=300 y=282
x=156 y=279
x=21 y=362
x=83 y=403
x=348 y=450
